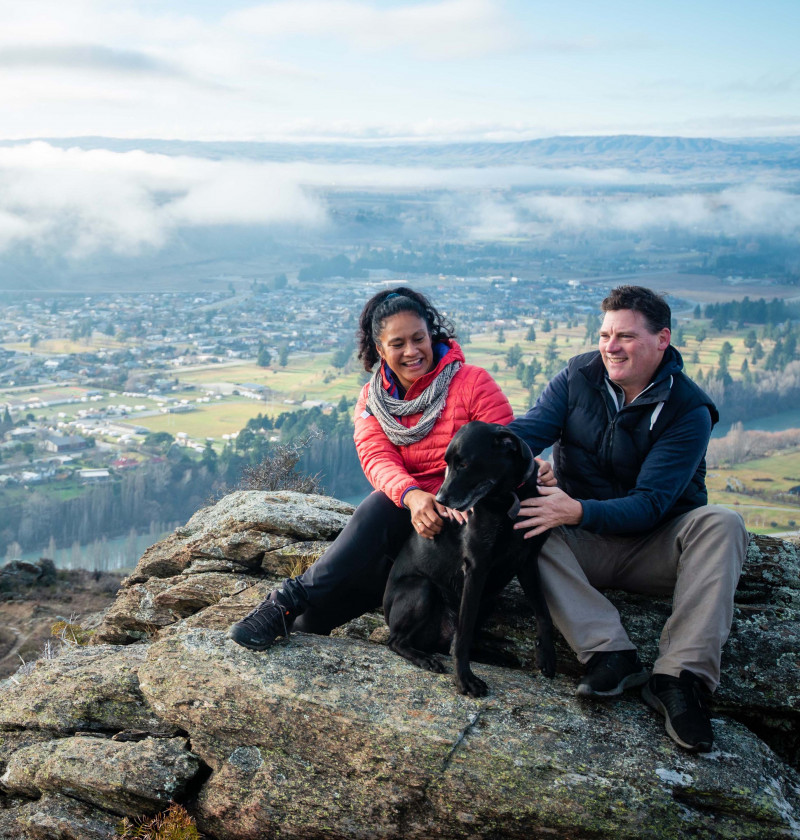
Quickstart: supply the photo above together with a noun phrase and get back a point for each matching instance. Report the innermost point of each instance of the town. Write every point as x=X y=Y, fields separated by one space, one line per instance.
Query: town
x=92 y=371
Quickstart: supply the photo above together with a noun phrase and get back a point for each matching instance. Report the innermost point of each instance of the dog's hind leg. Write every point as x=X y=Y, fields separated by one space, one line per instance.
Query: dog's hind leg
x=530 y=581
x=414 y=615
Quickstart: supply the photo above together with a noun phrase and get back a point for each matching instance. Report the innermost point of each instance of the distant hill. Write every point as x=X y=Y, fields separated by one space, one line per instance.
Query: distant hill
x=632 y=151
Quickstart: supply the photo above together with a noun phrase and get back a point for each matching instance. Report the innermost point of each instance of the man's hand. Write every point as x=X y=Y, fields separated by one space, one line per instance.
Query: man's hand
x=548 y=510
x=546 y=476
x=427 y=514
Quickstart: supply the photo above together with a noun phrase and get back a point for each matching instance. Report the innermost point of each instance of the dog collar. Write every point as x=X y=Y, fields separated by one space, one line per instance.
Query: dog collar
x=513 y=511
x=531 y=464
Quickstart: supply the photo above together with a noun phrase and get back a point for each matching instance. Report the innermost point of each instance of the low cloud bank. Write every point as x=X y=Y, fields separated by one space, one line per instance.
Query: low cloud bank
x=78 y=202
x=736 y=211
x=87 y=201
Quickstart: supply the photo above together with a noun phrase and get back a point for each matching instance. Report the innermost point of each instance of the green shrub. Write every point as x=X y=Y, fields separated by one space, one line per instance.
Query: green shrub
x=71 y=633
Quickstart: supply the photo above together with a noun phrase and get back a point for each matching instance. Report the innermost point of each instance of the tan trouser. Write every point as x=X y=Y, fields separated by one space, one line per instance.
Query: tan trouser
x=696 y=558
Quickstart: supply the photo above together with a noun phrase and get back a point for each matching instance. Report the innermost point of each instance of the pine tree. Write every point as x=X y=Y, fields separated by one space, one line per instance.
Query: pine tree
x=264 y=357
x=513 y=356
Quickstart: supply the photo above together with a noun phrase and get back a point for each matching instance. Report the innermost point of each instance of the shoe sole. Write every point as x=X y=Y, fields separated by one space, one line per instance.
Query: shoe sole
x=631 y=681
x=656 y=704
x=252 y=645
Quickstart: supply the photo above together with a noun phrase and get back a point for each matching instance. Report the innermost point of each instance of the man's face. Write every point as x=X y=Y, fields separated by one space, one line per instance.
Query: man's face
x=630 y=352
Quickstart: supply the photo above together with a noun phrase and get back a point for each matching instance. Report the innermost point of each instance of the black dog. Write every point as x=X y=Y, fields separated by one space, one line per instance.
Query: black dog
x=438 y=589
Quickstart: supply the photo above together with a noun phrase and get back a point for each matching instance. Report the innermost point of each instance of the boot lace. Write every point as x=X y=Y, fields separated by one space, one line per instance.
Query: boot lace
x=265 y=616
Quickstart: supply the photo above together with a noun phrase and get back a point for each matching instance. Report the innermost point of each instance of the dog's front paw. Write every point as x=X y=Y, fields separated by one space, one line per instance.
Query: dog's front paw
x=431 y=663
x=546 y=658
x=471 y=685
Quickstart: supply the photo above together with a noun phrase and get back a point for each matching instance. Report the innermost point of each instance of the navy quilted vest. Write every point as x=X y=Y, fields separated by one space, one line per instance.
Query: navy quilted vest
x=601 y=449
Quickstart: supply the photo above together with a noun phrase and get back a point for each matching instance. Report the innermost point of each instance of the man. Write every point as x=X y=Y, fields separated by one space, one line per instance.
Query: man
x=630 y=512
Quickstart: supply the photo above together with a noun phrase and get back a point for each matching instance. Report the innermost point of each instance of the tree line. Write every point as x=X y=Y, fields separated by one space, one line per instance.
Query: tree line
x=746 y=311
x=168 y=490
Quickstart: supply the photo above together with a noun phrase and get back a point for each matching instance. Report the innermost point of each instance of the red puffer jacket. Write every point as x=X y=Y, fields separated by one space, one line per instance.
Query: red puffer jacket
x=473 y=395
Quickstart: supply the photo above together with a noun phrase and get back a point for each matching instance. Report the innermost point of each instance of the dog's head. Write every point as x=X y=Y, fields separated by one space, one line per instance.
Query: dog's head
x=484 y=458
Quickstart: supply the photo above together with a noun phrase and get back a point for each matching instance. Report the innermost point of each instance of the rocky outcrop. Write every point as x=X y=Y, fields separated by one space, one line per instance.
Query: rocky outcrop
x=243 y=529
x=124 y=777
x=19 y=575
x=339 y=738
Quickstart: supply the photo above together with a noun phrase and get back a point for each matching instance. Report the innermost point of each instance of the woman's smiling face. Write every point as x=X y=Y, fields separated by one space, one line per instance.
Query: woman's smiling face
x=405 y=345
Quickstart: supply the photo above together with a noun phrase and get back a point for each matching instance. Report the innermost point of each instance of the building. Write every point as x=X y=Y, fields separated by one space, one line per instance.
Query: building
x=65 y=443
x=93 y=476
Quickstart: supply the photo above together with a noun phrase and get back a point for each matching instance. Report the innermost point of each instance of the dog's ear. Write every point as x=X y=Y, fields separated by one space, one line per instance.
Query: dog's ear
x=516 y=446
x=508 y=441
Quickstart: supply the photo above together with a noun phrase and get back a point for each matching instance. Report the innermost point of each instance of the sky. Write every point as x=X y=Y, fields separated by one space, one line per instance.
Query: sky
x=373 y=70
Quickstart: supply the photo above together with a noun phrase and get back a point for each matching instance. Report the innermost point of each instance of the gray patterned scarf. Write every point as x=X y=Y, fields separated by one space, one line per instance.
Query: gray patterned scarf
x=429 y=403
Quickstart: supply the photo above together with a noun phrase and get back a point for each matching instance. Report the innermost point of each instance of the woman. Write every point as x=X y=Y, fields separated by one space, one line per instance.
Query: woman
x=420 y=394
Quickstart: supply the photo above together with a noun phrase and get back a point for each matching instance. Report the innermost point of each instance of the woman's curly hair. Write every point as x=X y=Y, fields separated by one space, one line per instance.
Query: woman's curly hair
x=387 y=303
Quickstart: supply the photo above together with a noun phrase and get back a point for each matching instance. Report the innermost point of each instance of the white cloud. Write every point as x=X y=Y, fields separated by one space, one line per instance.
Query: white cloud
x=245 y=193
x=81 y=202
x=460 y=178
x=84 y=57
x=741 y=210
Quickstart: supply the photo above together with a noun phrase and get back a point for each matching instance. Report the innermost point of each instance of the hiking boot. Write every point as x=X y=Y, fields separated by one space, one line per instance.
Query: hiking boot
x=610 y=672
x=259 y=628
x=683 y=702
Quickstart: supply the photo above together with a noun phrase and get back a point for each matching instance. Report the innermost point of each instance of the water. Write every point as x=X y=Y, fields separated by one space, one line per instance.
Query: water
x=119 y=554
x=772 y=423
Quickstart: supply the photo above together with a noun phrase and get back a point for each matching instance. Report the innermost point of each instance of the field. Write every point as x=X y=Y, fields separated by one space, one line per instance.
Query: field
x=306 y=376
x=57 y=346
x=759 y=490
x=210 y=421
x=311 y=376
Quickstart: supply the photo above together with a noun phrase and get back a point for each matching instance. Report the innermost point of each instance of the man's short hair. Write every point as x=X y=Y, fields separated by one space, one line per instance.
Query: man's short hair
x=655 y=309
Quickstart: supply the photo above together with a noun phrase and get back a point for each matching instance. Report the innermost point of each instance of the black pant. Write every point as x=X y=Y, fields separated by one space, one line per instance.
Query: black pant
x=349 y=579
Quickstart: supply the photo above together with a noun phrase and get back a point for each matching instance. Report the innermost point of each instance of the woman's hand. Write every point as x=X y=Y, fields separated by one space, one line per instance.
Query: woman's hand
x=427 y=514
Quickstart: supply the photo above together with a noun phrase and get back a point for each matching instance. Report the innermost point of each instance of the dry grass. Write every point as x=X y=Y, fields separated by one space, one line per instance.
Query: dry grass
x=277 y=471
x=172 y=824
x=296 y=565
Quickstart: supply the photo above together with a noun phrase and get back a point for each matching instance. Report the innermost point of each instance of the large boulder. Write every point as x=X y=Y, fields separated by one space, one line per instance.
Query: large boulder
x=334 y=733
x=141 y=609
x=19 y=575
x=94 y=689
x=57 y=817
x=338 y=737
x=760 y=666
